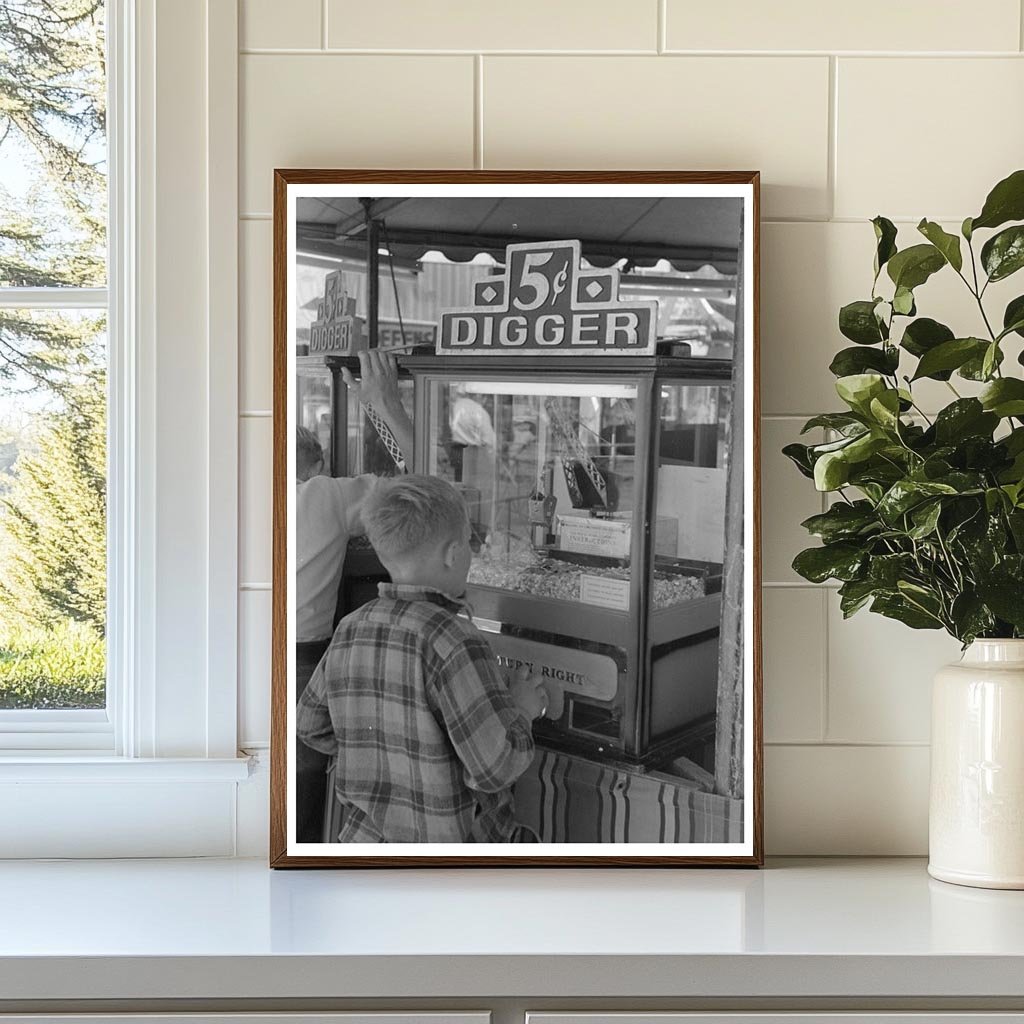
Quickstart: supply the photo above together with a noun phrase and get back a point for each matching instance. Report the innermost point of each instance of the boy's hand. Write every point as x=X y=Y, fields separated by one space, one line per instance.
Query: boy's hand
x=378 y=380
x=527 y=693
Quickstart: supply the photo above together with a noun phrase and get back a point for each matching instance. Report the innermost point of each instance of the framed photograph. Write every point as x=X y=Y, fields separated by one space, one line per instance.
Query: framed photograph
x=516 y=556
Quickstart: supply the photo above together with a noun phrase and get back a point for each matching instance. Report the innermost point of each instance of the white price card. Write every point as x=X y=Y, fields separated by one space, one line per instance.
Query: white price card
x=605 y=592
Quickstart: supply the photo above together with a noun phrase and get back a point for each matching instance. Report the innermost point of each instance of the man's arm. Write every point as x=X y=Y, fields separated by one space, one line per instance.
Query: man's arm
x=312 y=716
x=491 y=736
x=378 y=387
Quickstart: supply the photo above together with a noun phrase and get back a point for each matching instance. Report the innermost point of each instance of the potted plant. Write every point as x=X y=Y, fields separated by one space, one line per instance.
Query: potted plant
x=926 y=524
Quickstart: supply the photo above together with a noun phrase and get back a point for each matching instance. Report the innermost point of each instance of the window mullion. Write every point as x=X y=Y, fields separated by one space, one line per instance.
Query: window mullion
x=53 y=298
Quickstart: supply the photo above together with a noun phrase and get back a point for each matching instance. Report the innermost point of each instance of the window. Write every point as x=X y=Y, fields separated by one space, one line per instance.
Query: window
x=53 y=371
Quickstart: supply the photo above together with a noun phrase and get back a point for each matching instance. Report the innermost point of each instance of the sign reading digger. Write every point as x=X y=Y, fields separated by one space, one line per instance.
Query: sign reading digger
x=545 y=302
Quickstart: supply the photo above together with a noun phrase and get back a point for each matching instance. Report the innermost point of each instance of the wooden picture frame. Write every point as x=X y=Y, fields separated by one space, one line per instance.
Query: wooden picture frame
x=388 y=223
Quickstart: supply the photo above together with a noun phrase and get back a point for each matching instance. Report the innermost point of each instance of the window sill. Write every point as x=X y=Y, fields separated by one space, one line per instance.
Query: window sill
x=81 y=767
x=75 y=805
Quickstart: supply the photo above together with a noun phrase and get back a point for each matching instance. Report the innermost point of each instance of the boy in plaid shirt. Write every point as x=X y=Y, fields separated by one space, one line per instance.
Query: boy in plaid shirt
x=429 y=736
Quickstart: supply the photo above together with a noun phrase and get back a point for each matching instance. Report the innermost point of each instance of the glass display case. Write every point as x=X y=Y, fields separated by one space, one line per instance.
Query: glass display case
x=596 y=493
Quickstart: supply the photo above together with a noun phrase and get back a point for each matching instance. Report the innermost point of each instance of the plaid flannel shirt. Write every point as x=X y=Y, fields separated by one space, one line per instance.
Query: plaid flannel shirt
x=410 y=699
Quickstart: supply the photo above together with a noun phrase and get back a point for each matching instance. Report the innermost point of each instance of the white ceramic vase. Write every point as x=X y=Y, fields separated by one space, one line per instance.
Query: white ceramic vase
x=976 y=815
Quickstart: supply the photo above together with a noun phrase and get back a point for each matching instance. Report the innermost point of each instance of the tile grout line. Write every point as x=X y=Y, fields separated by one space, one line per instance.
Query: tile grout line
x=341 y=51
x=825 y=651
x=832 y=147
x=852 y=744
x=323 y=24
x=478 y=111
x=662 y=29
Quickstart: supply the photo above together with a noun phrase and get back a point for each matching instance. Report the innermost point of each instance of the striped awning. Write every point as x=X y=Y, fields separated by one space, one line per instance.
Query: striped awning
x=687 y=232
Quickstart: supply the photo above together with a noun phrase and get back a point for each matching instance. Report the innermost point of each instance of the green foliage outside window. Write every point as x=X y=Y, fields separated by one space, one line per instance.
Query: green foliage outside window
x=52 y=365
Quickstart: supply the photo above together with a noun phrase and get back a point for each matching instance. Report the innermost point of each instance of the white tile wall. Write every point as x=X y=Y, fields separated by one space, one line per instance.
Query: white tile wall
x=254 y=665
x=262 y=26
x=873 y=25
x=943 y=105
x=255 y=269
x=254 y=506
x=793 y=627
x=846 y=800
x=697 y=113
x=333 y=110
x=909 y=110
x=471 y=25
x=879 y=677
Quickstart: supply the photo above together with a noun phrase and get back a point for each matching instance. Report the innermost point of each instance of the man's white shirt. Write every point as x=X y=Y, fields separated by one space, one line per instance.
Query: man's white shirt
x=328 y=511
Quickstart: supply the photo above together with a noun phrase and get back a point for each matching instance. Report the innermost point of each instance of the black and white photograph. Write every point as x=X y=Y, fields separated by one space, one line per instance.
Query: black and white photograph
x=515 y=548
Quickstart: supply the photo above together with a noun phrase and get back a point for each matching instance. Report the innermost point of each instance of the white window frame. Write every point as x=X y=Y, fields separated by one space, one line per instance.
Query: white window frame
x=169 y=736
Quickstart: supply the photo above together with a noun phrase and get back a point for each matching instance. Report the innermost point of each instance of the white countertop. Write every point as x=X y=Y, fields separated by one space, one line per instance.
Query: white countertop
x=234 y=929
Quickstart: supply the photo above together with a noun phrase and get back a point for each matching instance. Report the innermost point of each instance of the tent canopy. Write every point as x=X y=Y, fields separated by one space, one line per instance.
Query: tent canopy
x=688 y=232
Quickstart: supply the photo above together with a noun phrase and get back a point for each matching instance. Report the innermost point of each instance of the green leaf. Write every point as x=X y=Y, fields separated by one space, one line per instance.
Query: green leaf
x=872 y=491
x=885 y=236
x=841 y=421
x=1003 y=254
x=903 y=302
x=923 y=335
x=840 y=561
x=863 y=447
x=964 y=482
x=1015 y=492
x=925 y=518
x=831 y=471
x=907 y=494
x=842 y=521
x=966 y=417
x=974 y=368
x=950 y=355
x=1004 y=397
x=858 y=389
x=947 y=244
x=965 y=229
x=854 y=594
x=1014 y=441
x=1006 y=599
x=882 y=471
x=981 y=538
x=899 y=608
x=799 y=455
x=885 y=409
x=1005 y=202
x=970 y=617
x=994 y=499
x=887 y=570
x=913 y=266
x=1016 y=521
x=850 y=361
x=857 y=321
x=817 y=450
x=1013 y=317
x=991 y=360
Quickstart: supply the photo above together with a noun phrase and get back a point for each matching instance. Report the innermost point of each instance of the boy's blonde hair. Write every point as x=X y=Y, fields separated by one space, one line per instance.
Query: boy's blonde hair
x=414 y=513
x=308 y=451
